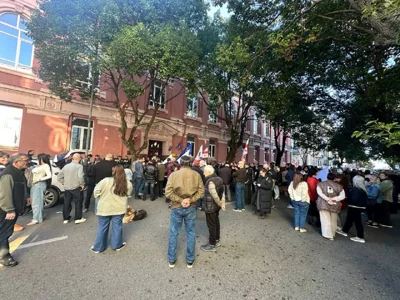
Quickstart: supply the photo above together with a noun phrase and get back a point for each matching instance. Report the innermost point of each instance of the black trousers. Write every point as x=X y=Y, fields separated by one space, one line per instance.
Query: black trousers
x=354 y=216
x=384 y=213
x=159 y=189
x=6 y=231
x=89 y=194
x=214 y=228
x=372 y=213
x=248 y=194
x=70 y=196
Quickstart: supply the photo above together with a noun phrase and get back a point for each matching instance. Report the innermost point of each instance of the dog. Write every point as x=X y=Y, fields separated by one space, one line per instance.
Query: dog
x=132 y=215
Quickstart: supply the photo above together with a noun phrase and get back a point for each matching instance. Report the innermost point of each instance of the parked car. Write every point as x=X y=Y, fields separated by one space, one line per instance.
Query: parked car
x=54 y=192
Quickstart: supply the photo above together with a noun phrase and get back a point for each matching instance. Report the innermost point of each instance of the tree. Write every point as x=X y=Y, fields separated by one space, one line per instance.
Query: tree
x=137 y=60
x=388 y=134
x=232 y=86
x=75 y=37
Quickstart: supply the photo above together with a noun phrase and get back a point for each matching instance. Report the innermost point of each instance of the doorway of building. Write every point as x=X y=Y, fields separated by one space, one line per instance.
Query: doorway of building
x=155 y=149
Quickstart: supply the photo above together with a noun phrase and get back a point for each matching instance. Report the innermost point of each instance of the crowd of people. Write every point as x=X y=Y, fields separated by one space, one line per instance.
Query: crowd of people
x=330 y=200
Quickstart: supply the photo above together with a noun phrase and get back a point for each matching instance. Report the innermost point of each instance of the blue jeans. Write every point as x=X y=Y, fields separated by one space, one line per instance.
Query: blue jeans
x=102 y=232
x=178 y=215
x=148 y=184
x=239 y=195
x=37 y=195
x=138 y=186
x=300 y=213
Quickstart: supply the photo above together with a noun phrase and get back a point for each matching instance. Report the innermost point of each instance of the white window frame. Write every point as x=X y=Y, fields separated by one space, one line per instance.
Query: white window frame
x=255 y=125
x=193 y=143
x=190 y=111
x=266 y=129
x=211 y=149
x=161 y=103
x=17 y=66
x=212 y=117
x=82 y=138
x=10 y=126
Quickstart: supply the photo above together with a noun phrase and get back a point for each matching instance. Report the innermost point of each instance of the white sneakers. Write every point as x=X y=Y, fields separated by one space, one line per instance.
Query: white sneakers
x=341 y=232
x=80 y=221
x=297 y=228
x=303 y=230
x=358 y=240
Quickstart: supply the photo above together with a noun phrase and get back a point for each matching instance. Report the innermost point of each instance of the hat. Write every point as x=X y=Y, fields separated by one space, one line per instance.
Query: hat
x=185 y=159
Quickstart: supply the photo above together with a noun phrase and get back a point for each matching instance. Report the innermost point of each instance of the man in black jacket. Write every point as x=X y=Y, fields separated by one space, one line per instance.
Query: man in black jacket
x=150 y=179
x=13 y=197
x=226 y=174
x=101 y=170
x=214 y=200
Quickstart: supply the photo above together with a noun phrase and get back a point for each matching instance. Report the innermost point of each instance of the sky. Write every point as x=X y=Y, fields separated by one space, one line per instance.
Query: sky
x=223 y=10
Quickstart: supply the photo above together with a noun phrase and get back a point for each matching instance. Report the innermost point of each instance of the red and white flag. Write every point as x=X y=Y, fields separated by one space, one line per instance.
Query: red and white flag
x=199 y=154
x=205 y=153
x=245 y=151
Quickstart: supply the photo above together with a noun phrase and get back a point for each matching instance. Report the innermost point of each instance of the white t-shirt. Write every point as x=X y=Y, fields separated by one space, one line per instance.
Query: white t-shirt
x=129 y=174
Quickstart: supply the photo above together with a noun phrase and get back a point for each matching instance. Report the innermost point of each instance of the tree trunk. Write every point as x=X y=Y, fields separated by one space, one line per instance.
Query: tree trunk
x=233 y=147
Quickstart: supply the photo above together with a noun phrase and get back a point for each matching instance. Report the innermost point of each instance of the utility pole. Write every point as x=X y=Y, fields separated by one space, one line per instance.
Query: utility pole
x=92 y=93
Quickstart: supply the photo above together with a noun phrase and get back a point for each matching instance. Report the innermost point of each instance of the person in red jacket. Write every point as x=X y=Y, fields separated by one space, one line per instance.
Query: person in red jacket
x=312 y=183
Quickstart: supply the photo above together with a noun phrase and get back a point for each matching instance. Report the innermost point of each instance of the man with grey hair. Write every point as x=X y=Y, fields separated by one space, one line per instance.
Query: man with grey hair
x=214 y=200
x=72 y=177
x=13 y=197
x=184 y=188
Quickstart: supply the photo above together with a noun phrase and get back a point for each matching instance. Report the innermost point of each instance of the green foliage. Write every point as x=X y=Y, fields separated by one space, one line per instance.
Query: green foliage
x=388 y=134
x=129 y=44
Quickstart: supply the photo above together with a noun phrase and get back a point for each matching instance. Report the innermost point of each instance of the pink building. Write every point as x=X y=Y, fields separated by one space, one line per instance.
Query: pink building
x=31 y=118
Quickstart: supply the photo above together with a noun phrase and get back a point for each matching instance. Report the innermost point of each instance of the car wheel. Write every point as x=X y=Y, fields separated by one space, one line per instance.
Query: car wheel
x=51 y=197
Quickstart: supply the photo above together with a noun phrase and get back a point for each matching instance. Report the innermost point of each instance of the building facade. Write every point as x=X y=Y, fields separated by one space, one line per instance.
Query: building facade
x=33 y=119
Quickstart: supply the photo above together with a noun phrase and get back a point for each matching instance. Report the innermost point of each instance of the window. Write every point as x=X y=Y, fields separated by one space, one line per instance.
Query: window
x=190 y=140
x=158 y=95
x=212 y=117
x=192 y=107
x=10 y=126
x=266 y=155
x=16 y=47
x=232 y=109
x=212 y=149
x=266 y=129
x=79 y=133
x=255 y=125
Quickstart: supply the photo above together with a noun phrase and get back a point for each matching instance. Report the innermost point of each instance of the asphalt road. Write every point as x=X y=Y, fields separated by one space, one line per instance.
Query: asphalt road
x=259 y=259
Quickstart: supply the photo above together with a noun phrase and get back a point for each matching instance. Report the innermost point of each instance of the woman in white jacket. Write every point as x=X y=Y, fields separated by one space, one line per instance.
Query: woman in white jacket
x=298 y=191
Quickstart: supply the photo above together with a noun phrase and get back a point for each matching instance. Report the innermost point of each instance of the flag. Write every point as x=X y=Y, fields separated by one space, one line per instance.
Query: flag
x=179 y=146
x=245 y=150
x=205 y=153
x=199 y=154
x=166 y=160
x=323 y=174
x=185 y=151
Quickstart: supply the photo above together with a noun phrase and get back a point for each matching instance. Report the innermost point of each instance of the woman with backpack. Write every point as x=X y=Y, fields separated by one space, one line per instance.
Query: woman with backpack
x=41 y=179
x=113 y=193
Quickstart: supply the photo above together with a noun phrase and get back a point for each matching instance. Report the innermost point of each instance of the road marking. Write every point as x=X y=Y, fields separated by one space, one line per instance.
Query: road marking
x=18 y=241
x=35 y=238
x=43 y=242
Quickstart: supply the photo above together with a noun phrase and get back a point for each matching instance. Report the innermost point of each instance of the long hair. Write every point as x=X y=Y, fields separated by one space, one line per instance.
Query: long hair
x=45 y=158
x=120 y=183
x=296 y=180
x=343 y=181
x=359 y=182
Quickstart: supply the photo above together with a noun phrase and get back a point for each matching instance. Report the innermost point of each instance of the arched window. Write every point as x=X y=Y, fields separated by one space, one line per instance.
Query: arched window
x=16 y=47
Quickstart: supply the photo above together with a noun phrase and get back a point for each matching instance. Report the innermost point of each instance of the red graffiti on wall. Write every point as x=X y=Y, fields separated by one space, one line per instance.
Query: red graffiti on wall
x=58 y=135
